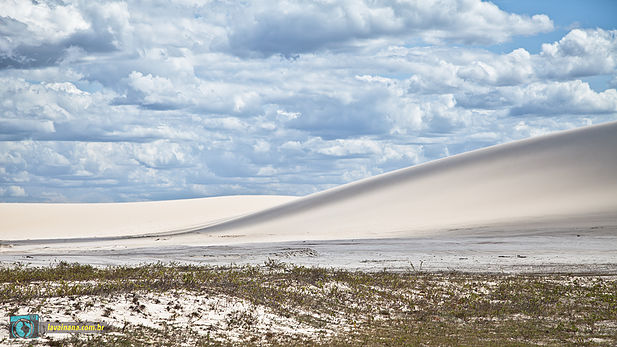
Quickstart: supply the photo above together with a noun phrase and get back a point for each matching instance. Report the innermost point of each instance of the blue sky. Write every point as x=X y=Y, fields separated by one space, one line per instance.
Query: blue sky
x=134 y=101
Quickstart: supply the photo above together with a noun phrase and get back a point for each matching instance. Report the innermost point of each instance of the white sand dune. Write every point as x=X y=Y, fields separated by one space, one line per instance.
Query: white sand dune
x=554 y=177
x=104 y=220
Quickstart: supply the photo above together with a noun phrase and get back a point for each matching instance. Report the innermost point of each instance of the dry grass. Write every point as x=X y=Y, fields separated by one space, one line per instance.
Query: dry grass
x=333 y=307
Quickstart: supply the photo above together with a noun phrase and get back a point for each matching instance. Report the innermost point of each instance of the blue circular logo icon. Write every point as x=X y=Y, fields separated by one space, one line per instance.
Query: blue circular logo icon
x=23 y=328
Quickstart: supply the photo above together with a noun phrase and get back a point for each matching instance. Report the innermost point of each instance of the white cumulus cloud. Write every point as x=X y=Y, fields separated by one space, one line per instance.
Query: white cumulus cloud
x=131 y=100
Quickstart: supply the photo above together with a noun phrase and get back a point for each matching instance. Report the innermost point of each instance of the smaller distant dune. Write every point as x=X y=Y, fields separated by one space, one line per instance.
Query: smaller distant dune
x=19 y=221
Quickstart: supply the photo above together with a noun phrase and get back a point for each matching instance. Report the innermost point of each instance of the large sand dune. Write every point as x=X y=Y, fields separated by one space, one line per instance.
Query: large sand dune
x=550 y=178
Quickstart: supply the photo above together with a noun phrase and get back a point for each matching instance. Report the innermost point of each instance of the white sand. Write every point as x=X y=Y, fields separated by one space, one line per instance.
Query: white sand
x=571 y=173
x=202 y=314
x=58 y=221
x=529 y=185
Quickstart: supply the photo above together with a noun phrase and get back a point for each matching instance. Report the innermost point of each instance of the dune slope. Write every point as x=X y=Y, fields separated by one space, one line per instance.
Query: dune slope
x=565 y=174
x=20 y=221
x=560 y=178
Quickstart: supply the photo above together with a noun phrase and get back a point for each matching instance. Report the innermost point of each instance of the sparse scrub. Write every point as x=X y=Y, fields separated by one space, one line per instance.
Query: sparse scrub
x=319 y=306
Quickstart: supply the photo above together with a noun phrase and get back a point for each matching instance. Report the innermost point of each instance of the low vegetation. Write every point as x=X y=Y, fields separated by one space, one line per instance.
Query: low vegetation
x=281 y=304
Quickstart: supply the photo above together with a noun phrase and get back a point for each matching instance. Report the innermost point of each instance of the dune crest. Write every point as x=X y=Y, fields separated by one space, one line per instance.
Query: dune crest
x=560 y=175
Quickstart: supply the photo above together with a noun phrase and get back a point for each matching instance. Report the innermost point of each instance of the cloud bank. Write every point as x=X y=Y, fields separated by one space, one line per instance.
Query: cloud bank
x=126 y=100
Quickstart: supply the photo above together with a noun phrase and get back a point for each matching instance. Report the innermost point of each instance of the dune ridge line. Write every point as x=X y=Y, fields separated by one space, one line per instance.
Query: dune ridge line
x=560 y=175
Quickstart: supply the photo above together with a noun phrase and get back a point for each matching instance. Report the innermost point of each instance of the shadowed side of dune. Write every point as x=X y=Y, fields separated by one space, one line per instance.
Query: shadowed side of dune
x=559 y=175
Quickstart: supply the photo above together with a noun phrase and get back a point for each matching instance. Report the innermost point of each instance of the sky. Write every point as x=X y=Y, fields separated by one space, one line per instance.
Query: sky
x=111 y=101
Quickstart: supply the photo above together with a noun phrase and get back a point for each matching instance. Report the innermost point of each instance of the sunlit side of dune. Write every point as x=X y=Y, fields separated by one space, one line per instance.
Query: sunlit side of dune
x=571 y=173
x=558 y=176
x=58 y=221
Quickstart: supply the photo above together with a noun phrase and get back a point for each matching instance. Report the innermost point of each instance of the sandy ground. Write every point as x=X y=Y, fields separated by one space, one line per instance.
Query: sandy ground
x=215 y=315
x=523 y=205
x=541 y=247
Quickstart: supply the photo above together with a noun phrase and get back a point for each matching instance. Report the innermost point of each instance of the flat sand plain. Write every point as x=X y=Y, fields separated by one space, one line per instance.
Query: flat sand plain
x=520 y=206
